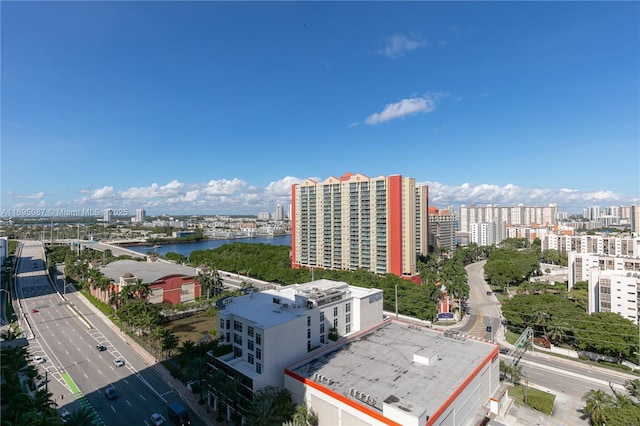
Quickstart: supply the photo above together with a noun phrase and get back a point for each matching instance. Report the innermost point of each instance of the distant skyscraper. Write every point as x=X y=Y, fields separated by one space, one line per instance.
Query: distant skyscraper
x=107 y=216
x=635 y=219
x=442 y=229
x=356 y=222
x=279 y=214
x=140 y=215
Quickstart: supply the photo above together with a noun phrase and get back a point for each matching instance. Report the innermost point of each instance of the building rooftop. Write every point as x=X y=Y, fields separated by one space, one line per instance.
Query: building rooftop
x=413 y=368
x=269 y=308
x=148 y=272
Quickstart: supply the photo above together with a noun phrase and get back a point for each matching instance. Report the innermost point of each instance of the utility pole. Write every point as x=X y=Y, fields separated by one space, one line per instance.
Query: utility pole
x=396 y=301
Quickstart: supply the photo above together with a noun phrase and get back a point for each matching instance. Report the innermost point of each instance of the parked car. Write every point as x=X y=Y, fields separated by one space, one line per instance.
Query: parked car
x=118 y=362
x=34 y=311
x=111 y=393
x=101 y=348
x=38 y=359
x=157 y=419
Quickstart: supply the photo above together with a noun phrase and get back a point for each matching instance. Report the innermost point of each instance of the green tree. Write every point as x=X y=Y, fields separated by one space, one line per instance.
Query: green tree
x=596 y=401
x=633 y=387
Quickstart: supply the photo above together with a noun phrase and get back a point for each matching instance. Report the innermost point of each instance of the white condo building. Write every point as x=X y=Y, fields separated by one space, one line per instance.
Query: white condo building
x=272 y=329
x=614 y=291
x=596 y=244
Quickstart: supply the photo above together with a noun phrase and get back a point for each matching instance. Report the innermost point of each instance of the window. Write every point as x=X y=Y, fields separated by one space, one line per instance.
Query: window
x=258 y=368
x=348 y=307
x=228 y=324
x=250 y=345
x=321 y=316
x=258 y=353
x=237 y=326
x=322 y=328
x=335 y=311
x=308 y=333
x=258 y=339
x=335 y=323
x=308 y=321
x=228 y=337
x=250 y=358
x=237 y=352
x=221 y=323
x=348 y=329
x=250 y=331
x=322 y=339
x=237 y=339
x=348 y=319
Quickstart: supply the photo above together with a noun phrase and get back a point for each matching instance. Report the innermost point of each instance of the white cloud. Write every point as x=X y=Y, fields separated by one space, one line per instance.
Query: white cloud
x=223 y=186
x=35 y=196
x=572 y=200
x=398 y=44
x=410 y=106
x=102 y=193
x=235 y=196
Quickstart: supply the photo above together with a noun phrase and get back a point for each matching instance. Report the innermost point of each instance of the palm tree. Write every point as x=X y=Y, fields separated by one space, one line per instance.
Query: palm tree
x=186 y=350
x=262 y=412
x=541 y=318
x=83 y=416
x=556 y=332
x=623 y=401
x=596 y=402
x=633 y=387
x=304 y=417
x=169 y=342
x=205 y=281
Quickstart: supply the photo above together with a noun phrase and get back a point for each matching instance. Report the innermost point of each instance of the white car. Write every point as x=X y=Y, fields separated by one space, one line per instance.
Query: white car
x=38 y=359
x=157 y=419
x=118 y=362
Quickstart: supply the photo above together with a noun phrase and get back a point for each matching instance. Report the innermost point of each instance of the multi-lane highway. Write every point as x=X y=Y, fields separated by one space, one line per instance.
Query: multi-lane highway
x=65 y=334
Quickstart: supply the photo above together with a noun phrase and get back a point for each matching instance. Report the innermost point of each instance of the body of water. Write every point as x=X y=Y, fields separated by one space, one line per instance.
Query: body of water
x=186 y=248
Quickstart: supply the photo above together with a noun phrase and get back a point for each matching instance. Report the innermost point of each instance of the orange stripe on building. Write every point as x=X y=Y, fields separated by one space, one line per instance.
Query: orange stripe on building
x=394 y=226
x=492 y=356
x=293 y=226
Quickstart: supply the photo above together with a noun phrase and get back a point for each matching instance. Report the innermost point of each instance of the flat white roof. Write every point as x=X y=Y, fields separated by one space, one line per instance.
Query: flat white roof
x=382 y=364
x=260 y=308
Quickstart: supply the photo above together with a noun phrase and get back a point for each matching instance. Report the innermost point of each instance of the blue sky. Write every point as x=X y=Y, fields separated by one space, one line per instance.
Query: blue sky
x=213 y=107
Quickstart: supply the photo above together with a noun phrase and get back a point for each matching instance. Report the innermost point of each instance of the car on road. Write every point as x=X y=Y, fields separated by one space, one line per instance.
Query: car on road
x=118 y=362
x=111 y=393
x=157 y=419
x=489 y=293
x=34 y=311
x=504 y=350
x=101 y=348
x=38 y=359
x=64 y=415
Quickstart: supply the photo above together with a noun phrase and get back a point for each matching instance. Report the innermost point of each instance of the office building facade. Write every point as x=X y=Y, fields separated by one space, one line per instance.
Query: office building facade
x=355 y=222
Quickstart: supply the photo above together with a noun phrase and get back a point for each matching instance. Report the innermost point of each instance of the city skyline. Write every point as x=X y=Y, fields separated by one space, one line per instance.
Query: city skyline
x=218 y=108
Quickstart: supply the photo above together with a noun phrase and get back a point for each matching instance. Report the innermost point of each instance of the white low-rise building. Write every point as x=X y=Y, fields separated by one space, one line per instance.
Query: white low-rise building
x=614 y=291
x=272 y=329
x=399 y=374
